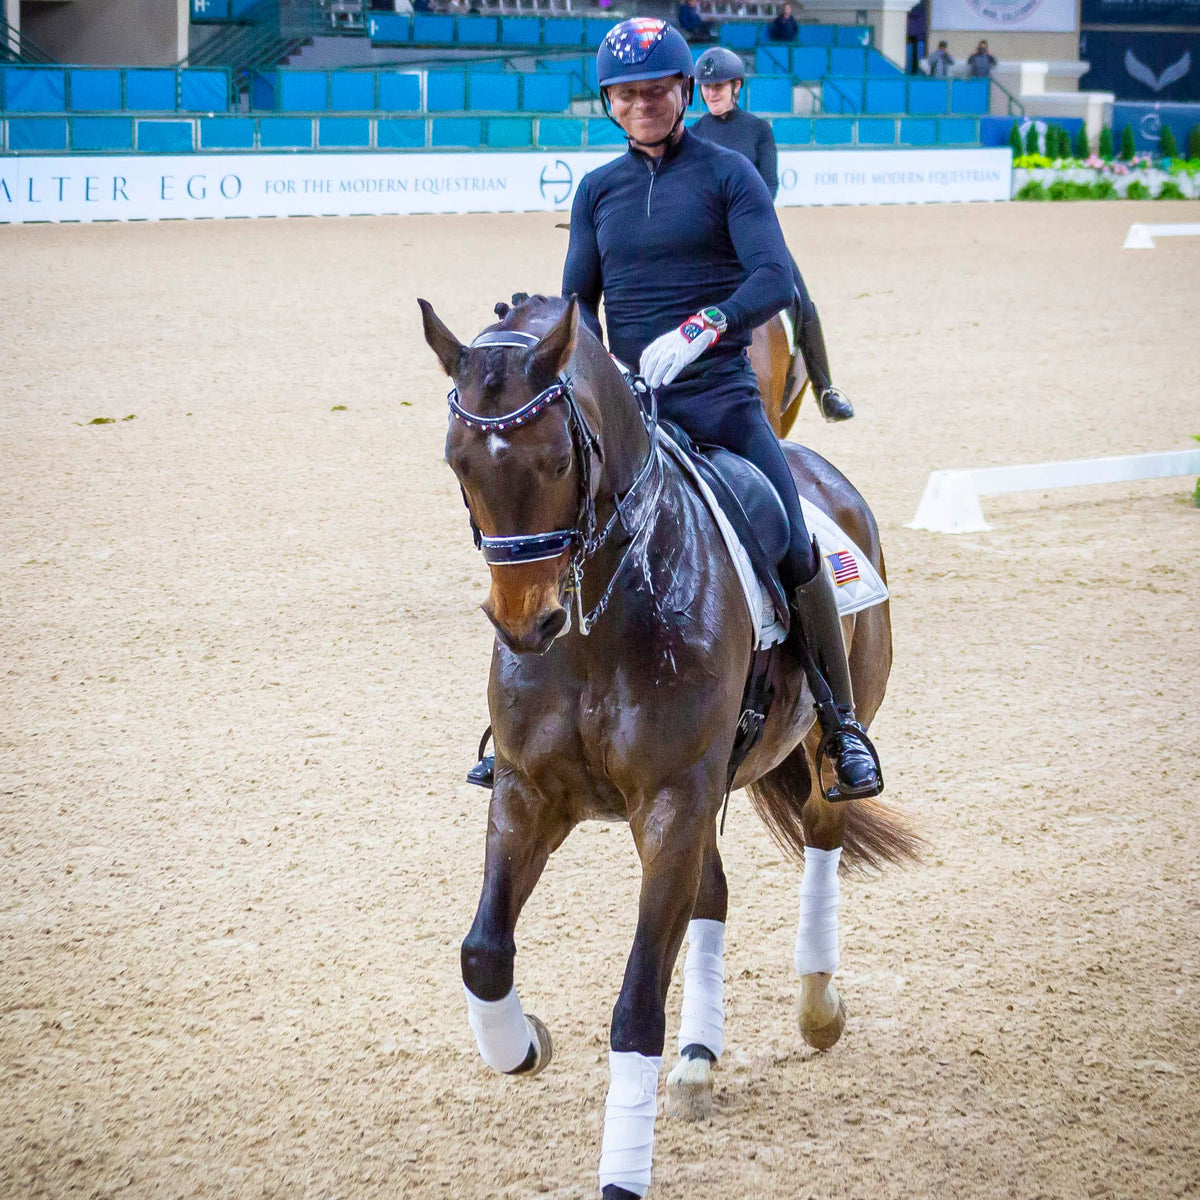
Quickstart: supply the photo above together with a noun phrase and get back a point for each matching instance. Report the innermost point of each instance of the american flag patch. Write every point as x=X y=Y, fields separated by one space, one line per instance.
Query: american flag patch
x=632 y=41
x=845 y=569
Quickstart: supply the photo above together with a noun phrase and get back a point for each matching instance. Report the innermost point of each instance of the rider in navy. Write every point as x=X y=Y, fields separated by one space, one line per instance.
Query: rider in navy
x=721 y=74
x=680 y=238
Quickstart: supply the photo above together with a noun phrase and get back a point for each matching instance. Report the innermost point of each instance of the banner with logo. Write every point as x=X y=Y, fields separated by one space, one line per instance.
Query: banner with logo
x=1018 y=16
x=1140 y=12
x=1142 y=66
x=195 y=186
x=1149 y=120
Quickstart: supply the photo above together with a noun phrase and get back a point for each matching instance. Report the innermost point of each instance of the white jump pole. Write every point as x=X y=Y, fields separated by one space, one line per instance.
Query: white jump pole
x=950 y=503
x=1141 y=237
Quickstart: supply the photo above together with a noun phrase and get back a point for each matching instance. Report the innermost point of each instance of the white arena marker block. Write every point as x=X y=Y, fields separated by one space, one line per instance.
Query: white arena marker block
x=1138 y=238
x=951 y=500
x=1141 y=237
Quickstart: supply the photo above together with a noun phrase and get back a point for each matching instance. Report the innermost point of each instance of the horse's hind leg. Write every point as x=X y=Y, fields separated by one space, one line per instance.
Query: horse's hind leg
x=702 y=1023
x=522 y=832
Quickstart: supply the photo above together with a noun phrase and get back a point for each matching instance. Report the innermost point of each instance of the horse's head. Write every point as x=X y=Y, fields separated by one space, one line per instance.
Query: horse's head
x=522 y=478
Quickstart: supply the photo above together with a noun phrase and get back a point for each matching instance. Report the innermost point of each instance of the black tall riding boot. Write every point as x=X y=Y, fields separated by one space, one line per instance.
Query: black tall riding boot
x=844 y=740
x=483 y=773
x=811 y=343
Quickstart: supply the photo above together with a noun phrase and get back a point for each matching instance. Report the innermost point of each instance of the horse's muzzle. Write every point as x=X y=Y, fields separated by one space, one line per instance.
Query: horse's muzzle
x=525 y=608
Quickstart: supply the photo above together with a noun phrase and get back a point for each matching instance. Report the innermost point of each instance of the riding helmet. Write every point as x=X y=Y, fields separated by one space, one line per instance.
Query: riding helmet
x=642 y=48
x=719 y=65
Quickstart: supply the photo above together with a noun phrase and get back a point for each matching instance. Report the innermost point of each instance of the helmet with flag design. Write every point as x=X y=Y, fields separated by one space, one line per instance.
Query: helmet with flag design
x=642 y=48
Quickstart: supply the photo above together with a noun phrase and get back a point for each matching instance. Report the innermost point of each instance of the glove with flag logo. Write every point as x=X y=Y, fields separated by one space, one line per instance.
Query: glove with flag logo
x=666 y=356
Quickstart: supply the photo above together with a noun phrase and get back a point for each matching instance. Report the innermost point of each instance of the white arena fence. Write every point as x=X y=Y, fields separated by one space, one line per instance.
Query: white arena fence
x=950 y=503
x=194 y=186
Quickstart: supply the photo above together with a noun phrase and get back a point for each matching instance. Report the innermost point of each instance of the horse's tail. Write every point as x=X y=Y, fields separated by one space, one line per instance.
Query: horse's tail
x=872 y=833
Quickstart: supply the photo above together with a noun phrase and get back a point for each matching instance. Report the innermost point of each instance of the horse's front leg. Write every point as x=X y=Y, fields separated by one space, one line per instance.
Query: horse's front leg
x=523 y=830
x=822 y=1013
x=669 y=831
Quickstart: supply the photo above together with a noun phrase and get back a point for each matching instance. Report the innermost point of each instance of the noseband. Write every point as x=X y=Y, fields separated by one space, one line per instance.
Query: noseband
x=581 y=538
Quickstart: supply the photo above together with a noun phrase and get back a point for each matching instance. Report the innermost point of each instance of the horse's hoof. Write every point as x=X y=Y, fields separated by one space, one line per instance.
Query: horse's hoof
x=822 y=1013
x=690 y=1090
x=542 y=1047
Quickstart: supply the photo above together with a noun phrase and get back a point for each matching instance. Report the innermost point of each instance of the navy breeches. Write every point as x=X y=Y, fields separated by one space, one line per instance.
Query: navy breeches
x=723 y=407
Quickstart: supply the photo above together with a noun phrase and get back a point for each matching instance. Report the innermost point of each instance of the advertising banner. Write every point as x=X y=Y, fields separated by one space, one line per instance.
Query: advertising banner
x=1018 y=16
x=197 y=186
x=1142 y=66
x=1148 y=121
x=1141 y=12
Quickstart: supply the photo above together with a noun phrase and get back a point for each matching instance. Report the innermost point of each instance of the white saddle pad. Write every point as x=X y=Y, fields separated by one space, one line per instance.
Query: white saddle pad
x=858 y=583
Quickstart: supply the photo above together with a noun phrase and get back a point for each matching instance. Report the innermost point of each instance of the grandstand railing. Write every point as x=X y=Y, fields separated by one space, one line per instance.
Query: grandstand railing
x=29 y=88
x=15 y=47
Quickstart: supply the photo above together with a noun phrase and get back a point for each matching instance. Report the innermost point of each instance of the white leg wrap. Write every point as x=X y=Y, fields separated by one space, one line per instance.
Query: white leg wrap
x=703 y=1019
x=629 y=1113
x=817 y=933
x=501 y=1031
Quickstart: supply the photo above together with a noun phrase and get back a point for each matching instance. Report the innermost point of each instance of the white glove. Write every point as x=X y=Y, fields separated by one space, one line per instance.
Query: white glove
x=666 y=356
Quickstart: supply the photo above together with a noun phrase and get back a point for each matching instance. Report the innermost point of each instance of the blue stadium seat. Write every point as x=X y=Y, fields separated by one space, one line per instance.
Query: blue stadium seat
x=303 y=91
x=833 y=131
x=102 y=133
x=264 y=89
x=792 y=131
x=165 y=137
x=842 y=95
x=399 y=93
x=203 y=90
x=562 y=31
x=876 y=131
x=478 y=31
x=520 y=31
x=602 y=132
x=957 y=131
x=852 y=35
x=928 y=95
x=456 y=131
x=351 y=91
x=595 y=30
x=769 y=93
x=390 y=29
x=509 y=132
x=817 y=35
x=226 y=133
x=347 y=133
x=494 y=92
x=285 y=133
x=969 y=95
x=918 y=131
x=432 y=29
x=560 y=131
x=94 y=91
x=35 y=89
x=398 y=133
x=37 y=133
x=546 y=93
x=845 y=60
x=886 y=96
x=740 y=35
x=150 y=89
x=810 y=62
x=877 y=64
x=773 y=60
x=445 y=91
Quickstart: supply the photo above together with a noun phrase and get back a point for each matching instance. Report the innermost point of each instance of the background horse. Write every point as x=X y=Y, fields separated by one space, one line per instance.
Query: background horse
x=782 y=392
x=572 y=501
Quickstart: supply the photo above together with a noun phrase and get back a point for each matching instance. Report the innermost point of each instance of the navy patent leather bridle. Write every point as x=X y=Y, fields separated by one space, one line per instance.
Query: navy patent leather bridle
x=581 y=539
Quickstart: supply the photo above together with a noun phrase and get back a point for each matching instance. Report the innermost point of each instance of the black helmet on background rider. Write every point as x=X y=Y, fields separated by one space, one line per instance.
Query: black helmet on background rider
x=719 y=65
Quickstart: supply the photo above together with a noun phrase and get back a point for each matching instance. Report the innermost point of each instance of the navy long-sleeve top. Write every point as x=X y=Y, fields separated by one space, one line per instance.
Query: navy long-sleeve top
x=747 y=134
x=662 y=239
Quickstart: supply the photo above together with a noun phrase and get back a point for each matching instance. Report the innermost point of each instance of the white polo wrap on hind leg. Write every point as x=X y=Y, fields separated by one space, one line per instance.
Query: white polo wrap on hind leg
x=703 y=1019
x=501 y=1031
x=629 y=1113
x=817 y=933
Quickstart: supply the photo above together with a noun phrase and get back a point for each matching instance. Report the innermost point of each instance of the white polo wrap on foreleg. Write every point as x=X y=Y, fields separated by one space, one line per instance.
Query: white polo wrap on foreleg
x=501 y=1031
x=703 y=1019
x=629 y=1113
x=817 y=933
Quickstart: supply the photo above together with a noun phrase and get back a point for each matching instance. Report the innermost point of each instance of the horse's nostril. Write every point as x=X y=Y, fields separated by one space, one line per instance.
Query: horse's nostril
x=551 y=626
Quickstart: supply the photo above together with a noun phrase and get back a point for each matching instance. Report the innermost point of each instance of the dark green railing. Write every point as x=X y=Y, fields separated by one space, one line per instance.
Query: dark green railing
x=15 y=47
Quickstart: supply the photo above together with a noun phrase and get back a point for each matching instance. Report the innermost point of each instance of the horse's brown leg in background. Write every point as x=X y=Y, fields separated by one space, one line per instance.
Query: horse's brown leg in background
x=669 y=832
x=522 y=832
x=702 y=1023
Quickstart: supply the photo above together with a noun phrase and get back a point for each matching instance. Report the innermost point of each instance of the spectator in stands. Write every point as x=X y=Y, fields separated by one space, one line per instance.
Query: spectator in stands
x=940 y=62
x=980 y=64
x=422 y=6
x=784 y=27
x=914 y=38
x=695 y=27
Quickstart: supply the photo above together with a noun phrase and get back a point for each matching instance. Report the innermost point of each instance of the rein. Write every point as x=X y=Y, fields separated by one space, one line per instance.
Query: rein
x=582 y=538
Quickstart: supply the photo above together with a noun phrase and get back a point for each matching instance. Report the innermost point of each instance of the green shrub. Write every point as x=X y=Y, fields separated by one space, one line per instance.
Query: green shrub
x=1105 y=146
x=1102 y=189
x=1032 y=145
x=1014 y=140
x=1033 y=190
x=1082 y=148
x=1167 y=146
x=1170 y=190
x=1193 y=142
x=1064 y=143
x=1058 y=190
x=1128 y=146
x=1137 y=190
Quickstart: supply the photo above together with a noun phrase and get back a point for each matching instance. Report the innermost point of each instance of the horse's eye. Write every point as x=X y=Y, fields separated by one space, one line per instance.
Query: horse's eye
x=562 y=467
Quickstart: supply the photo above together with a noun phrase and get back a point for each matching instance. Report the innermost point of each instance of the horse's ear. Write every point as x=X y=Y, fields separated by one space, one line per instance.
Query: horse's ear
x=442 y=342
x=552 y=353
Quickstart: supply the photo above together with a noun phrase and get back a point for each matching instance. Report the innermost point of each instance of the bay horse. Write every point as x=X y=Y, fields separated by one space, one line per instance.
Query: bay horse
x=627 y=710
x=781 y=390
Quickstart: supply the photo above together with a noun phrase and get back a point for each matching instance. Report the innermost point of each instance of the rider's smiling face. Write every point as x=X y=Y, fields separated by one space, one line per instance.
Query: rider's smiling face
x=720 y=97
x=647 y=109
